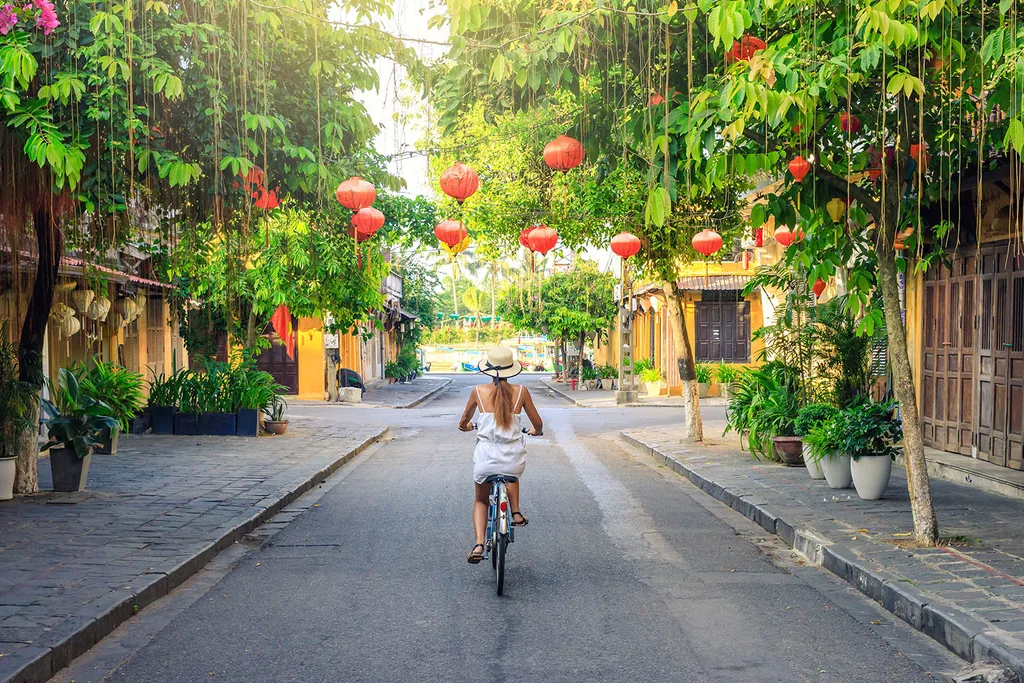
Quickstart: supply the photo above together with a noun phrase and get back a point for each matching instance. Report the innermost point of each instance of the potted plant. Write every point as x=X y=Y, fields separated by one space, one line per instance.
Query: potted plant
x=703 y=372
x=164 y=396
x=215 y=401
x=253 y=389
x=392 y=371
x=590 y=377
x=651 y=377
x=726 y=375
x=74 y=422
x=608 y=373
x=871 y=437
x=774 y=417
x=275 y=422
x=187 y=414
x=116 y=387
x=828 y=440
x=809 y=417
x=17 y=411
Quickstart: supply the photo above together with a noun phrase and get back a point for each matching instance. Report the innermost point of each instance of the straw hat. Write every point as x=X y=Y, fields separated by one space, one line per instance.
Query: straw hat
x=499 y=363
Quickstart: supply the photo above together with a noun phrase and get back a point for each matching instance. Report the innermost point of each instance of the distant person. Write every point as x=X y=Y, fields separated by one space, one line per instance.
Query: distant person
x=500 y=448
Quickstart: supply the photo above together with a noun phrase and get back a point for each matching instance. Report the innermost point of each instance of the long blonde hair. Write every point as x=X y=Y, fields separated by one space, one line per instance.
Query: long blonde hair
x=503 y=403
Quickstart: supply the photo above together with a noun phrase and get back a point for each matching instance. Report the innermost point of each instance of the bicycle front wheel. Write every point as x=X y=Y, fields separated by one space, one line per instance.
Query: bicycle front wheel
x=499 y=562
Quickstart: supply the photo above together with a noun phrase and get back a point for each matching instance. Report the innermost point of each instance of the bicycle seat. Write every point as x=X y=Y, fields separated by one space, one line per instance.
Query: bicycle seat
x=501 y=477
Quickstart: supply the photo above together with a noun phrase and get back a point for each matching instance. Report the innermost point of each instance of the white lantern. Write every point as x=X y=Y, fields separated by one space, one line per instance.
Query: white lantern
x=81 y=299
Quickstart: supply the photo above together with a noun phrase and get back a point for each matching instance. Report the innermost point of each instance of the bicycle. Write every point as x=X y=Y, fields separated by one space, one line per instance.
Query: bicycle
x=500 y=527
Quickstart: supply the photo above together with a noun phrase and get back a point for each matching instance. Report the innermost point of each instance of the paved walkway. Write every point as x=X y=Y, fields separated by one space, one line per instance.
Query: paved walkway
x=399 y=395
x=968 y=593
x=604 y=398
x=74 y=566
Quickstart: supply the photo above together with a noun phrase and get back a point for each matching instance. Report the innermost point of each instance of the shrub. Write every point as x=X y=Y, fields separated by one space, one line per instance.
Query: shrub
x=650 y=375
x=117 y=388
x=703 y=372
x=810 y=416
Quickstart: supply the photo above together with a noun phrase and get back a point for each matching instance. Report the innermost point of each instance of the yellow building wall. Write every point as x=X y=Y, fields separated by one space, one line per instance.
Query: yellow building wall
x=310 y=356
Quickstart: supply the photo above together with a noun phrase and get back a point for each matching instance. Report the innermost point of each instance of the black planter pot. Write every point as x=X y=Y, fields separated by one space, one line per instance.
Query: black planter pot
x=185 y=423
x=141 y=422
x=217 y=424
x=247 y=422
x=108 y=441
x=69 y=473
x=162 y=419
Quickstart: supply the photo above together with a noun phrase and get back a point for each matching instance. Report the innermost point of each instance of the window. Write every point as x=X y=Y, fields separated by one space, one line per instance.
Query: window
x=723 y=328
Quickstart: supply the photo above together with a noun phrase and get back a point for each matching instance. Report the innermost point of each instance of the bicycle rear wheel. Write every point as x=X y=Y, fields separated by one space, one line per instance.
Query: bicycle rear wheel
x=499 y=562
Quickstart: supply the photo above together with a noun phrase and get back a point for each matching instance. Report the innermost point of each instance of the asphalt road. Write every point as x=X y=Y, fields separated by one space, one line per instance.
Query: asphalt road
x=625 y=573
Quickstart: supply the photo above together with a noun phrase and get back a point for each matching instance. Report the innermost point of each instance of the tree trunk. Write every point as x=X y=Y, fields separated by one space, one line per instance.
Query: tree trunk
x=926 y=528
x=50 y=243
x=332 y=356
x=693 y=426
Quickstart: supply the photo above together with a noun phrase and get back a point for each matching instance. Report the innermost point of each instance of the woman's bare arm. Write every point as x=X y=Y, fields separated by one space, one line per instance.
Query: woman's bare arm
x=531 y=412
x=465 y=424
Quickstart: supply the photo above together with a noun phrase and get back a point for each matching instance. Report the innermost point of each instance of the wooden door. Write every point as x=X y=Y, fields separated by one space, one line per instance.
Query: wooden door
x=1001 y=358
x=949 y=356
x=275 y=360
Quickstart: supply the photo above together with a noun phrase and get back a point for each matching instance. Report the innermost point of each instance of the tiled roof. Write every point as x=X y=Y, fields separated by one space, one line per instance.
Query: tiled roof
x=716 y=282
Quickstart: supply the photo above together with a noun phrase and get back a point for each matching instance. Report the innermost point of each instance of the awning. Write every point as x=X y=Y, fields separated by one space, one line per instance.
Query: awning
x=714 y=282
x=407 y=315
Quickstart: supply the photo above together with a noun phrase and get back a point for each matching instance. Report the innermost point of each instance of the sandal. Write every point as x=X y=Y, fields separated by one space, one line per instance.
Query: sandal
x=474 y=557
x=522 y=516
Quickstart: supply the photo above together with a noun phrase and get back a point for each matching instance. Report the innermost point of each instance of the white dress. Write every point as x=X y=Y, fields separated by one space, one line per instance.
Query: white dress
x=499 y=450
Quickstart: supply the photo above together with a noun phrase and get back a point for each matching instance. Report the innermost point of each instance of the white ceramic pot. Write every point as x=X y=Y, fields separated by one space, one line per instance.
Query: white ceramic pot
x=6 y=478
x=836 y=468
x=871 y=475
x=703 y=389
x=813 y=466
x=653 y=388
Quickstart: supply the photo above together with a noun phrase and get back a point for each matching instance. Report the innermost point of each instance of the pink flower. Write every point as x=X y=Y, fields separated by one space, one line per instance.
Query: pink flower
x=8 y=19
x=47 y=19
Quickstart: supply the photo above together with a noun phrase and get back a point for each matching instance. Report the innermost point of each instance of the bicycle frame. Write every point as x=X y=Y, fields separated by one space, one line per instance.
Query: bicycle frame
x=498 y=520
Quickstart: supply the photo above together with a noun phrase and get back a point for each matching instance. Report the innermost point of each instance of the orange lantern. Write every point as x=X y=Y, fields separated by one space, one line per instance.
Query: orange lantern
x=355 y=194
x=706 y=242
x=460 y=182
x=625 y=244
x=543 y=239
x=366 y=222
x=524 y=237
x=799 y=167
x=563 y=153
x=450 y=232
x=786 y=237
x=655 y=100
x=919 y=153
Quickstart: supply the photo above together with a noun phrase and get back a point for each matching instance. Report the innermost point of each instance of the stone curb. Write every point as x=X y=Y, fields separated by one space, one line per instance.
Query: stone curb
x=963 y=635
x=426 y=397
x=71 y=638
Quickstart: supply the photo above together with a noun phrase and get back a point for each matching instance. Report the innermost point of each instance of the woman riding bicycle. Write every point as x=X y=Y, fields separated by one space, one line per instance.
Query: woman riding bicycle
x=499 y=442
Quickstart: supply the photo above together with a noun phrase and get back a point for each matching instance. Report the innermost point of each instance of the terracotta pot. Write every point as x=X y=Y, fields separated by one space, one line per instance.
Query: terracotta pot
x=789 y=450
x=274 y=427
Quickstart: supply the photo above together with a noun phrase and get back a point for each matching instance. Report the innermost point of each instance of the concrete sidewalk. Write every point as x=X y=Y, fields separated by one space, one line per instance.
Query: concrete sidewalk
x=74 y=566
x=398 y=395
x=968 y=594
x=604 y=398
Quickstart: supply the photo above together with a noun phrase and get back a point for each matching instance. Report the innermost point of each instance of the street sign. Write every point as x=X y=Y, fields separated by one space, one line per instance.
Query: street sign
x=331 y=341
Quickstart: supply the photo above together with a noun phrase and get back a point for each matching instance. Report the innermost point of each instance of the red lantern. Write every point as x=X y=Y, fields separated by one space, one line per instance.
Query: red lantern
x=267 y=200
x=543 y=239
x=799 y=167
x=355 y=194
x=524 y=237
x=625 y=244
x=786 y=237
x=919 y=153
x=744 y=48
x=460 y=182
x=707 y=242
x=819 y=287
x=849 y=123
x=367 y=222
x=759 y=237
x=563 y=153
x=450 y=232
